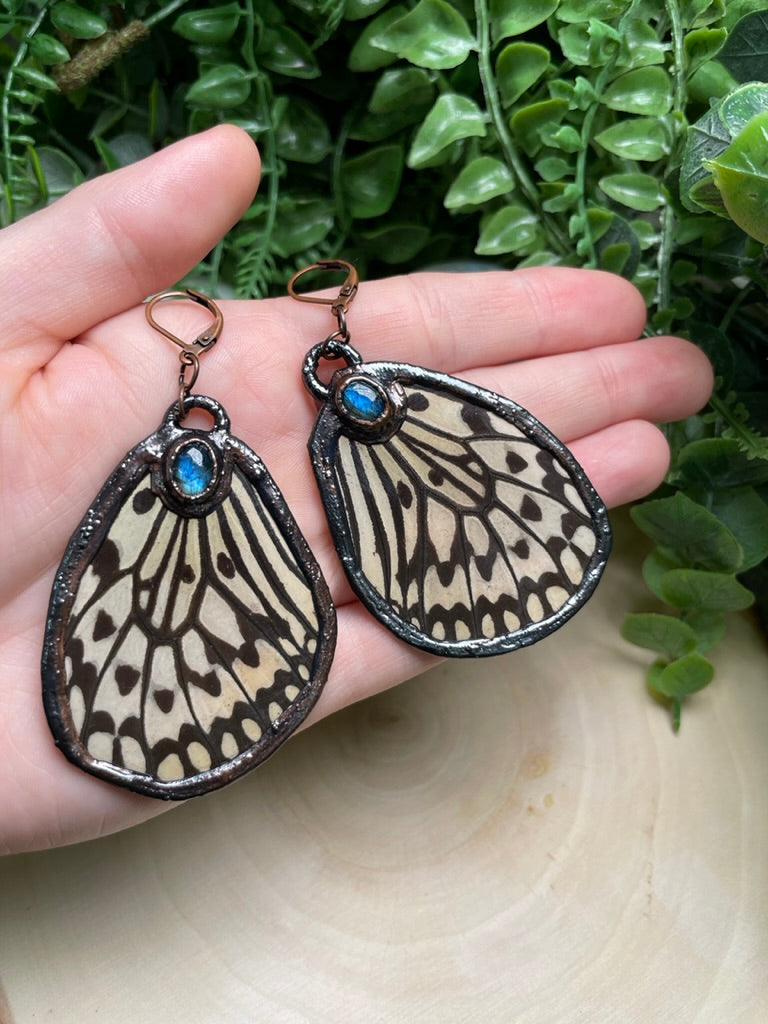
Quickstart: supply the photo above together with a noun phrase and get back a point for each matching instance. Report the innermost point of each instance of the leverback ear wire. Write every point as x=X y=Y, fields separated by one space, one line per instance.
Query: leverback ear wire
x=189 y=356
x=337 y=344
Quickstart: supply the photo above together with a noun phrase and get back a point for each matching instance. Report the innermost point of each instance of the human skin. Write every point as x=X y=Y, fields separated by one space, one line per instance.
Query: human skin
x=84 y=378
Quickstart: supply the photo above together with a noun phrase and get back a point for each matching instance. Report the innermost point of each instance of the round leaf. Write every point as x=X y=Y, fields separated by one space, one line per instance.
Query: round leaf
x=693 y=533
x=684 y=676
x=643 y=91
x=401 y=87
x=745 y=53
x=302 y=134
x=354 y=10
x=741 y=176
x=284 y=51
x=660 y=633
x=640 y=45
x=452 y=117
x=371 y=181
x=482 y=179
x=76 y=21
x=366 y=55
x=48 y=49
x=302 y=223
x=510 y=229
x=211 y=25
x=635 y=190
x=397 y=243
x=432 y=35
x=224 y=86
x=696 y=588
x=513 y=17
x=518 y=67
x=639 y=138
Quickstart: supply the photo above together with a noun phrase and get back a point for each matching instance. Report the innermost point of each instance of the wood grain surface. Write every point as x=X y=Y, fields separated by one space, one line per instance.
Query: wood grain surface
x=521 y=839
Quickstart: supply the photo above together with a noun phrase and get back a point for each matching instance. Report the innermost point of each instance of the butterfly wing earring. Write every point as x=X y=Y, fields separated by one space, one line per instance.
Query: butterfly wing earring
x=463 y=524
x=190 y=631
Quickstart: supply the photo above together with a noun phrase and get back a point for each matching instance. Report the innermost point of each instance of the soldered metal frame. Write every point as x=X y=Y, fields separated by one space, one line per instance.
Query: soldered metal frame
x=152 y=456
x=392 y=377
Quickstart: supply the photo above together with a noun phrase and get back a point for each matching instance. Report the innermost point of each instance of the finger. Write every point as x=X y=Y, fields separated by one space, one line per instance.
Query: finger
x=107 y=244
x=455 y=321
x=658 y=379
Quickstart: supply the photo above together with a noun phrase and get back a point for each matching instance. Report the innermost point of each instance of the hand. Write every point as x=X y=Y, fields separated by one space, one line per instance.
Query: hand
x=84 y=379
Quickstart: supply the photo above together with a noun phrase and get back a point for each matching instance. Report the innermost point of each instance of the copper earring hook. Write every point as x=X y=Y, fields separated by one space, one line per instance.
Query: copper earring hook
x=207 y=338
x=347 y=292
x=189 y=356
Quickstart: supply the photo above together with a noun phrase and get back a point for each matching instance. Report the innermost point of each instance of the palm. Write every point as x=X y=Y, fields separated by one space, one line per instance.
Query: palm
x=70 y=411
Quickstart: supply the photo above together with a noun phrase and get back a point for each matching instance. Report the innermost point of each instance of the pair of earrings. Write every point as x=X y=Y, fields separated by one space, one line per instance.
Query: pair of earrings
x=190 y=630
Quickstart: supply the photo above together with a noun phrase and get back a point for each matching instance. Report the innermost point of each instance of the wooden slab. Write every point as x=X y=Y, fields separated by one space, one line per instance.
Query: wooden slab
x=519 y=840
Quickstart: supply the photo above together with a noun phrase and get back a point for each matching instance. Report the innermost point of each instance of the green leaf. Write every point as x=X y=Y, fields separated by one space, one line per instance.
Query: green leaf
x=355 y=10
x=640 y=45
x=741 y=176
x=574 y=11
x=660 y=633
x=124 y=149
x=302 y=134
x=745 y=514
x=697 y=588
x=642 y=91
x=401 y=87
x=482 y=179
x=60 y=172
x=513 y=17
x=695 y=534
x=227 y=85
x=76 y=21
x=592 y=45
x=452 y=117
x=701 y=45
x=210 y=25
x=365 y=55
x=37 y=78
x=370 y=181
x=709 y=628
x=396 y=243
x=533 y=123
x=518 y=67
x=738 y=108
x=684 y=676
x=432 y=35
x=284 y=51
x=301 y=224
x=745 y=53
x=655 y=567
x=635 y=190
x=510 y=229
x=718 y=462
x=638 y=138
x=47 y=49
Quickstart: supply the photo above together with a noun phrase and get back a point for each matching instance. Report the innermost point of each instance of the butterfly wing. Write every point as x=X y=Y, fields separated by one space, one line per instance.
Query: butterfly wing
x=463 y=523
x=183 y=649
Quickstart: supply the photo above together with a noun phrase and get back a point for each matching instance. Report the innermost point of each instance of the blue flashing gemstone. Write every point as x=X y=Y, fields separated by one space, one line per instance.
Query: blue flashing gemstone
x=363 y=401
x=193 y=469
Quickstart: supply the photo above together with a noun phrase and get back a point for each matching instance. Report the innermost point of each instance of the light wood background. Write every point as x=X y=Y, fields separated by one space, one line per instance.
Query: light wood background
x=519 y=840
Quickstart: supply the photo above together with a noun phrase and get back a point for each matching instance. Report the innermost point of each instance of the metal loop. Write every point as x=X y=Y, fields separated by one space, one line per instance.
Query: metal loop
x=187 y=359
x=330 y=349
x=207 y=338
x=346 y=294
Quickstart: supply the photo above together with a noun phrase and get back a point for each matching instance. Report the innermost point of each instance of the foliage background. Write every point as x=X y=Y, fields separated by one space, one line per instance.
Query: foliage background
x=630 y=135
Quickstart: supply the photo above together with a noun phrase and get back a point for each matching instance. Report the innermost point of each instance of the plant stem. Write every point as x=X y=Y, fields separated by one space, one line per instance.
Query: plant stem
x=164 y=12
x=5 y=107
x=667 y=233
x=493 y=103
